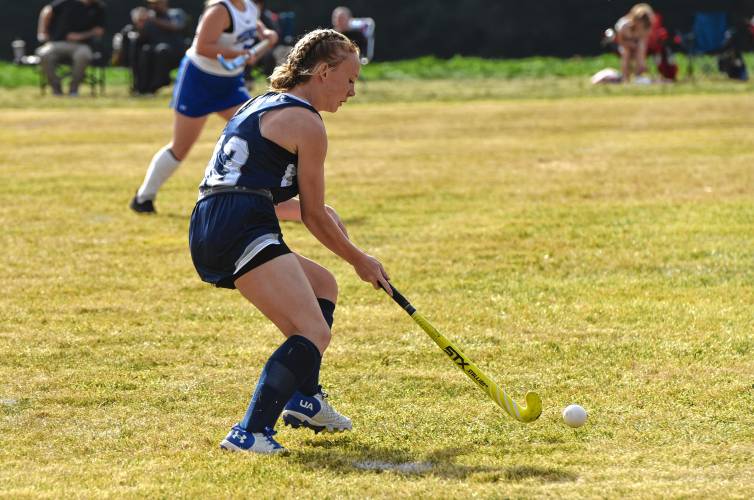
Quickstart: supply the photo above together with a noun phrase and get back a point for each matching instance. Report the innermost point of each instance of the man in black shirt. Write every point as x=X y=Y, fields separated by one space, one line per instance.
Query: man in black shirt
x=66 y=27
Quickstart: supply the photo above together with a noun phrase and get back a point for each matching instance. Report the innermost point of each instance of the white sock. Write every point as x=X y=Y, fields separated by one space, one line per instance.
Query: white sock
x=163 y=164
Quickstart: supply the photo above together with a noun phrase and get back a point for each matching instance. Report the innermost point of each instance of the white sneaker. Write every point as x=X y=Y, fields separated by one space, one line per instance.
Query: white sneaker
x=315 y=413
x=239 y=439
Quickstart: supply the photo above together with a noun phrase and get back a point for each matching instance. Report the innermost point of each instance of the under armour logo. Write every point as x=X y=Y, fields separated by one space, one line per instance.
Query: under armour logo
x=305 y=404
x=241 y=437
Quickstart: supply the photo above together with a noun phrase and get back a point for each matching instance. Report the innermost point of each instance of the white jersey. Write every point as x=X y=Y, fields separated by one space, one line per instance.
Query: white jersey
x=622 y=22
x=242 y=38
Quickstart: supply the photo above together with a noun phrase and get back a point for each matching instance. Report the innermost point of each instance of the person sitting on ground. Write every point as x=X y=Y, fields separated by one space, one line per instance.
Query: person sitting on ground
x=158 y=45
x=341 y=21
x=66 y=28
x=631 y=35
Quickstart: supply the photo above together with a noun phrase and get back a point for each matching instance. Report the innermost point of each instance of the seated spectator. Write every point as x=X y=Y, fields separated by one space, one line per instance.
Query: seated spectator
x=67 y=28
x=631 y=35
x=156 y=45
x=738 y=39
x=268 y=62
x=341 y=21
x=126 y=38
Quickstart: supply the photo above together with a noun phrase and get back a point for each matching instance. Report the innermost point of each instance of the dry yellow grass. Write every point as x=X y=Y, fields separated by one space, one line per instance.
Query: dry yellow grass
x=595 y=249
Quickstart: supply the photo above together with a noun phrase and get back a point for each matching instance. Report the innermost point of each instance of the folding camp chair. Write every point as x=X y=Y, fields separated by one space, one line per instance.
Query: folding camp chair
x=707 y=36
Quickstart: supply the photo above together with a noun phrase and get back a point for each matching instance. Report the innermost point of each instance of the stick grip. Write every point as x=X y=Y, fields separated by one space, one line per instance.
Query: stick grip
x=401 y=300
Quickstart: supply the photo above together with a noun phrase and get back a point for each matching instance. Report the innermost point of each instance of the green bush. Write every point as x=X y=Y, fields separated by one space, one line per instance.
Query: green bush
x=14 y=76
x=433 y=68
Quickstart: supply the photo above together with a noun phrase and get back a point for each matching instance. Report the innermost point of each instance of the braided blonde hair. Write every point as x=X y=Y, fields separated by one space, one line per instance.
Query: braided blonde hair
x=318 y=46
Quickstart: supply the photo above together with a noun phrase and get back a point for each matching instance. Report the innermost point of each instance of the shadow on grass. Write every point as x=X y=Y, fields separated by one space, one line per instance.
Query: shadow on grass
x=176 y=215
x=343 y=456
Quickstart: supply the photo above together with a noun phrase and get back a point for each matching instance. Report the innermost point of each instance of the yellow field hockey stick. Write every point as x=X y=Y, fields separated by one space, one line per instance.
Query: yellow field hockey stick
x=533 y=407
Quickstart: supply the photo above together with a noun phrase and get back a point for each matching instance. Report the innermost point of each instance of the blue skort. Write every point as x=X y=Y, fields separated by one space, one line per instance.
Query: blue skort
x=197 y=93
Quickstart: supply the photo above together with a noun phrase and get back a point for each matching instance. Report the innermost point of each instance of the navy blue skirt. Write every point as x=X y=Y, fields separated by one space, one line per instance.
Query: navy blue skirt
x=231 y=233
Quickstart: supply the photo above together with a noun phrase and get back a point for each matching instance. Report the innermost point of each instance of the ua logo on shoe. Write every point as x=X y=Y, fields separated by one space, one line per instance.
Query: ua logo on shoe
x=306 y=404
x=239 y=436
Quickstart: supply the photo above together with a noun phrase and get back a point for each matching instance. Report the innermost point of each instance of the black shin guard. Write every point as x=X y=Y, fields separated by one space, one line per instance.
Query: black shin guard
x=292 y=363
x=311 y=386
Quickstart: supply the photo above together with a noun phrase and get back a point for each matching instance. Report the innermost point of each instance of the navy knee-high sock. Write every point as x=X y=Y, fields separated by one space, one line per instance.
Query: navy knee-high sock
x=291 y=364
x=311 y=386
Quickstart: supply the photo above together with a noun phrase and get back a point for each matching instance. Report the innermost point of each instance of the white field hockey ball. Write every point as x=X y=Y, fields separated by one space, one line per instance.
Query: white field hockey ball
x=574 y=416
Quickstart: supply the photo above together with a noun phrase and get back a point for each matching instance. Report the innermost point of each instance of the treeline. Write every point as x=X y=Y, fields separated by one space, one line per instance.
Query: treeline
x=412 y=28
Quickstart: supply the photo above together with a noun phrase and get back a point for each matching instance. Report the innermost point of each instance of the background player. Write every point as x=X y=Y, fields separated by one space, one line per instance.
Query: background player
x=272 y=150
x=204 y=86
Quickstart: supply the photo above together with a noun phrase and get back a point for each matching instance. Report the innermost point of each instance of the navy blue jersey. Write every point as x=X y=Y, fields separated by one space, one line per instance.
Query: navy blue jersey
x=243 y=158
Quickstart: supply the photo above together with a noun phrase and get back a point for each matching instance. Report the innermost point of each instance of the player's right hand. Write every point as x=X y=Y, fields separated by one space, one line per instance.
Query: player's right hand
x=370 y=270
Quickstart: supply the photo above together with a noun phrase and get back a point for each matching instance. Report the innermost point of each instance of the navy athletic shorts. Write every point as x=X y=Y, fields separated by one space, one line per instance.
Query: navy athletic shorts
x=232 y=233
x=197 y=93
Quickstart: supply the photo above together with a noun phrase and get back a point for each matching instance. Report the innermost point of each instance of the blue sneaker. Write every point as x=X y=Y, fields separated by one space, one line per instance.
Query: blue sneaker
x=239 y=439
x=315 y=413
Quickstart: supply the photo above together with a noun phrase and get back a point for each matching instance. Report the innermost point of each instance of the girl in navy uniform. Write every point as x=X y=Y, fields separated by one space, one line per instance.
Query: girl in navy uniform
x=204 y=86
x=272 y=150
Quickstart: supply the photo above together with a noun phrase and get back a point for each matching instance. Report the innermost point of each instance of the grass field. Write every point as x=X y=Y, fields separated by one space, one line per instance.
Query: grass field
x=594 y=245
